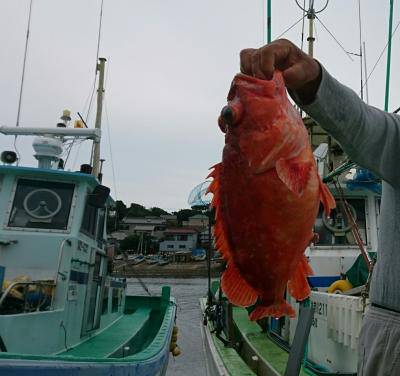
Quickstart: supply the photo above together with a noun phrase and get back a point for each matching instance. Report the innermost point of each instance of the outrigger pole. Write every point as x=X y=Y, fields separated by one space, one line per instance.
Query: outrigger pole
x=389 y=56
x=269 y=22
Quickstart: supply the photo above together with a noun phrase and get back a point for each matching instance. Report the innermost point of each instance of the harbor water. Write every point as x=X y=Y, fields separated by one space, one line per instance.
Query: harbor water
x=187 y=293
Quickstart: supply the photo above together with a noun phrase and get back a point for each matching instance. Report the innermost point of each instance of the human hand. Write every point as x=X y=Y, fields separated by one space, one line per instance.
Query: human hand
x=301 y=72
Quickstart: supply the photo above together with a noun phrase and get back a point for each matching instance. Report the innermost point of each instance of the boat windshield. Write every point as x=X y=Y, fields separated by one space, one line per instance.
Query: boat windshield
x=41 y=204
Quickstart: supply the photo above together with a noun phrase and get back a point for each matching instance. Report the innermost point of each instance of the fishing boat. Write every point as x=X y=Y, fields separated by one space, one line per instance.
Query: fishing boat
x=61 y=311
x=323 y=338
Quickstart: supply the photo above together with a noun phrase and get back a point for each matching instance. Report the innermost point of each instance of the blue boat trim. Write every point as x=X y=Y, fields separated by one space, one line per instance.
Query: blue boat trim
x=322 y=281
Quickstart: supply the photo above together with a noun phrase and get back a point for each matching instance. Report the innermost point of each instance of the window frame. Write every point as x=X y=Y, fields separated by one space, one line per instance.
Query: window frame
x=72 y=211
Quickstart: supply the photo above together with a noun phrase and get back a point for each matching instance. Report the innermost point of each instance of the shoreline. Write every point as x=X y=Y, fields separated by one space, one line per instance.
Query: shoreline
x=173 y=270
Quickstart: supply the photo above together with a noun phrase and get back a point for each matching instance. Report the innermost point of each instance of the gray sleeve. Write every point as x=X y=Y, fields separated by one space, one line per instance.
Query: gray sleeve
x=369 y=136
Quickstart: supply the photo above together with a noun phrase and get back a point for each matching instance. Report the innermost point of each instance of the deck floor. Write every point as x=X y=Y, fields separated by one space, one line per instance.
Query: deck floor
x=113 y=337
x=267 y=349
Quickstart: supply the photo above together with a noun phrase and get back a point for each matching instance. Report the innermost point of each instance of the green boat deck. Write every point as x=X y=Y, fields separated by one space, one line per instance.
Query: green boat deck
x=111 y=339
x=265 y=348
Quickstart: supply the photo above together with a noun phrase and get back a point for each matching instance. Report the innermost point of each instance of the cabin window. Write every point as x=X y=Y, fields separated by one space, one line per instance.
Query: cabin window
x=89 y=220
x=182 y=246
x=183 y=237
x=104 y=308
x=115 y=300
x=93 y=222
x=41 y=204
x=336 y=230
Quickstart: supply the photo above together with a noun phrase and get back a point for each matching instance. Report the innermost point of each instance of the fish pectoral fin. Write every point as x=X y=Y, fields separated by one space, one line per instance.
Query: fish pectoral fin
x=276 y=310
x=326 y=198
x=298 y=285
x=236 y=288
x=294 y=174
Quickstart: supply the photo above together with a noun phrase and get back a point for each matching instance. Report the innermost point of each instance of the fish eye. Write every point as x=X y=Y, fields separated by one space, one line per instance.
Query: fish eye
x=228 y=115
x=222 y=124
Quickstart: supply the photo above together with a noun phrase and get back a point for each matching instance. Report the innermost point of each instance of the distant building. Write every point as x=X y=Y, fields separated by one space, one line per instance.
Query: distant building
x=172 y=220
x=118 y=235
x=179 y=239
x=155 y=226
x=198 y=221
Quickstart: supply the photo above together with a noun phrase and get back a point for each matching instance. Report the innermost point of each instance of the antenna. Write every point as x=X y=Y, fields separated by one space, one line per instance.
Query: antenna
x=311 y=15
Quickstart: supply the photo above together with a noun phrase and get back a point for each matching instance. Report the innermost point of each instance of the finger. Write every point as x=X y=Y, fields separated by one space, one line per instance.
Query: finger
x=256 y=65
x=245 y=61
x=300 y=73
x=295 y=76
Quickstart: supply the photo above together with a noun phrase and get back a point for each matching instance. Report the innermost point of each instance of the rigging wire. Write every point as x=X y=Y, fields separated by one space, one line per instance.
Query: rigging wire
x=334 y=38
x=93 y=89
x=24 y=63
x=291 y=27
x=108 y=126
x=21 y=89
x=380 y=56
x=97 y=59
x=110 y=148
x=365 y=70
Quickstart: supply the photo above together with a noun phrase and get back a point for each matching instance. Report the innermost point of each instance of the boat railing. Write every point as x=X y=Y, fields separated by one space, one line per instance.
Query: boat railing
x=35 y=295
x=60 y=258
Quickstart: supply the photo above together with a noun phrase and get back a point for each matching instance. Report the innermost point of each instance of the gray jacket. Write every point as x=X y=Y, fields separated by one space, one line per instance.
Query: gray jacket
x=371 y=137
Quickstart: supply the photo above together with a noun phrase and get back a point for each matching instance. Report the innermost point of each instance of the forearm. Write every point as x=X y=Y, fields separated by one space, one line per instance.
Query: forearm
x=369 y=136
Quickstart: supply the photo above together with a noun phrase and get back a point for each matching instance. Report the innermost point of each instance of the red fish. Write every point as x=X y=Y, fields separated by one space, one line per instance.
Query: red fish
x=267 y=194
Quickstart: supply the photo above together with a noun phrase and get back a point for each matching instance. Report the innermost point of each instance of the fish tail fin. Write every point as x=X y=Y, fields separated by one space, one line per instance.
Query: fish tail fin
x=276 y=310
x=326 y=197
x=298 y=285
x=236 y=288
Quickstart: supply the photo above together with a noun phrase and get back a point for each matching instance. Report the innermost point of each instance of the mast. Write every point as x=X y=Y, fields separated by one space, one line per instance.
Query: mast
x=311 y=38
x=389 y=56
x=100 y=91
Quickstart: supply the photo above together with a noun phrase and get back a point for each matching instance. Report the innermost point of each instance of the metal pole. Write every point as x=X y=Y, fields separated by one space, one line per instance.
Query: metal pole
x=389 y=56
x=361 y=52
x=269 y=22
x=100 y=92
x=365 y=72
x=311 y=18
x=209 y=294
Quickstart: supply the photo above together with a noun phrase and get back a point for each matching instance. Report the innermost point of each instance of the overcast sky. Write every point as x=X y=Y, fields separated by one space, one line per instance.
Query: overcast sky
x=170 y=64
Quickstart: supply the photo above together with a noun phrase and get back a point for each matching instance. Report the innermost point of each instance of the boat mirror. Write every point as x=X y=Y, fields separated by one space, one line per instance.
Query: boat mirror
x=99 y=196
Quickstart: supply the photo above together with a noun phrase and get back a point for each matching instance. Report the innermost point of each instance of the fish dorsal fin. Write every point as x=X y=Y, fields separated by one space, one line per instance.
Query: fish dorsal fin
x=294 y=174
x=326 y=198
x=221 y=243
x=236 y=288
